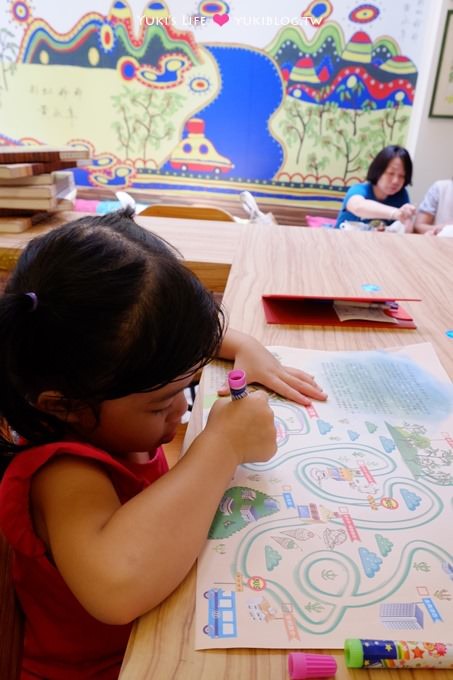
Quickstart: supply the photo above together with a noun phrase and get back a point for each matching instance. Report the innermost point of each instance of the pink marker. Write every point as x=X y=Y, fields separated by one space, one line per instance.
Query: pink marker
x=237 y=383
x=302 y=666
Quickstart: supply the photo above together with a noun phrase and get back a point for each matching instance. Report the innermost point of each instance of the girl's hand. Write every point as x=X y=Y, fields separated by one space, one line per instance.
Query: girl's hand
x=262 y=367
x=246 y=427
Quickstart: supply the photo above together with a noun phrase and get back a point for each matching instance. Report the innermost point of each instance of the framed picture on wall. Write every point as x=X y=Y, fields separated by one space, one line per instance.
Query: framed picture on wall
x=442 y=101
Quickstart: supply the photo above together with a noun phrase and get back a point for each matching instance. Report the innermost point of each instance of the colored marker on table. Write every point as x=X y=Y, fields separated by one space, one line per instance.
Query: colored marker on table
x=397 y=654
x=302 y=666
x=237 y=383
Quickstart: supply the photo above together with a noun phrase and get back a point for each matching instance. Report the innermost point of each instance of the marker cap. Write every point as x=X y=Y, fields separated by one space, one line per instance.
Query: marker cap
x=353 y=653
x=302 y=666
x=237 y=379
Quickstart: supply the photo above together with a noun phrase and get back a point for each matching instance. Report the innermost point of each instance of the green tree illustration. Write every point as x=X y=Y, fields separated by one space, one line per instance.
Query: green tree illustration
x=366 y=108
x=323 y=110
x=391 y=123
x=145 y=119
x=8 y=54
x=328 y=575
x=347 y=147
x=442 y=594
x=298 y=120
x=421 y=566
x=153 y=124
x=350 y=93
x=315 y=165
x=125 y=128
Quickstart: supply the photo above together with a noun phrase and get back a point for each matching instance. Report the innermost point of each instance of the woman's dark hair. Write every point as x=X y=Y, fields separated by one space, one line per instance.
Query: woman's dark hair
x=380 y=162
x=113 y=312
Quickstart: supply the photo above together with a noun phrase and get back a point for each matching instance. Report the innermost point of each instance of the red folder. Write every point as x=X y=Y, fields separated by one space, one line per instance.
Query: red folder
x=319 y=311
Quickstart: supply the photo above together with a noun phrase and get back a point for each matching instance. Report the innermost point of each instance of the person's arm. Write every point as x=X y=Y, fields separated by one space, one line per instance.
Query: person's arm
x=263 y=368
x=366 y=208
x=425 y=220
x=424 y=224
x=122 y=560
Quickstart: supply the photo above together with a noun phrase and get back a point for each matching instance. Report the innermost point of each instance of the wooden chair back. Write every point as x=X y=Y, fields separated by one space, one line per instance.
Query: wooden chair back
x=11 y=619
x=191 y=212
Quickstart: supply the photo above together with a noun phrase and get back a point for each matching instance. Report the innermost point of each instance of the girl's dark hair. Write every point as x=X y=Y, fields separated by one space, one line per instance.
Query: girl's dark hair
x=115 y=312
x=380 y=162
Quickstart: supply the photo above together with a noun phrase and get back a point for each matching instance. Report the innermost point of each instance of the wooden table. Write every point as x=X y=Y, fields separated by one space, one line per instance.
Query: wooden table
x=321 y=262
x=206 y=245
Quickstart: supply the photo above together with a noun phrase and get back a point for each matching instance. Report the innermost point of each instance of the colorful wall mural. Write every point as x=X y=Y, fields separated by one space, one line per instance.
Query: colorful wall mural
x=290 y=99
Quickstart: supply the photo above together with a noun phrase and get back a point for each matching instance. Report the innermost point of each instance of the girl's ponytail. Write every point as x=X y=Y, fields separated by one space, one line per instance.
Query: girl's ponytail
x=15 y=410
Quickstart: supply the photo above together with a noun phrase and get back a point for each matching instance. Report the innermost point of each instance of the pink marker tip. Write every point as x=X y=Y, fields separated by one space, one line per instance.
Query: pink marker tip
x=302 y=666
x=237 y=379
x=237 y=382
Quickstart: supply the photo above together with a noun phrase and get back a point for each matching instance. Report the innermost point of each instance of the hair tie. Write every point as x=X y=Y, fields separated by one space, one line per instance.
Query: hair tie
x=34 y=299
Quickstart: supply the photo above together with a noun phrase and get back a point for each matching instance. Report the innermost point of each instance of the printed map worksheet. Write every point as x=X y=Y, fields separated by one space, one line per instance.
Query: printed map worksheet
x=348 y=530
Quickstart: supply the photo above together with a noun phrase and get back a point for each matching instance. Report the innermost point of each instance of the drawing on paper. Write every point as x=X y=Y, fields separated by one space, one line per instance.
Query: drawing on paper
x=346 y=531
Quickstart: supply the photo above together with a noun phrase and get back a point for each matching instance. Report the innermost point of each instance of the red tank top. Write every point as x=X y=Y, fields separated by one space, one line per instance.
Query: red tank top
x=62 y=641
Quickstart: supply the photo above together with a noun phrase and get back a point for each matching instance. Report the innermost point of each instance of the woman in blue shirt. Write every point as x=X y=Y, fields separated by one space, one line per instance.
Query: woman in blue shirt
x=383 y=197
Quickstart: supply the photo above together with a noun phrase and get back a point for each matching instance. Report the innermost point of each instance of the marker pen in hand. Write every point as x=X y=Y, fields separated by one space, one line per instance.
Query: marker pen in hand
x=237 y=383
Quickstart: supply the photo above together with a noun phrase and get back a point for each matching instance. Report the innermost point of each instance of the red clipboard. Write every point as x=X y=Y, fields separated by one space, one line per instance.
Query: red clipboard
x=303 y=310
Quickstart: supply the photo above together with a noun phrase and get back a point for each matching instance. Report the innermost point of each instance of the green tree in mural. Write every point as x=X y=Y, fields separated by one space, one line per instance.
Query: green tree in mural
x=145 y=119
x=298 y=121
x=154 y=121
x=125 y=128
x=394 y=120
x=339 y=140
x=366 y=107
x=324 y=109
x=349 y=148
x=391 y=122
x=8 y=55
x=316 y=165
x=351 y=91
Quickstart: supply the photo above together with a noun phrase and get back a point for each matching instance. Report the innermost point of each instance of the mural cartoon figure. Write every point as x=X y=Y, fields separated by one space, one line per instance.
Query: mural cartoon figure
x=196 y=153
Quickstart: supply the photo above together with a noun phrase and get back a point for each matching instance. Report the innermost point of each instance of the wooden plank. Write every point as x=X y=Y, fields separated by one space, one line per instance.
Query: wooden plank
x=15 y=225
x=43 y=153
x=39 y=190
x=13 y=170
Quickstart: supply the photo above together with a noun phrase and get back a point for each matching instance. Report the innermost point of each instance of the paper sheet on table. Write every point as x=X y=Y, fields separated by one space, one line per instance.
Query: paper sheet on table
x=346 y=532
x=369 y=313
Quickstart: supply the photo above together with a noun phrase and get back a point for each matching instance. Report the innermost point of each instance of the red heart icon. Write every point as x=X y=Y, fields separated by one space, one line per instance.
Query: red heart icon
x=221 y=19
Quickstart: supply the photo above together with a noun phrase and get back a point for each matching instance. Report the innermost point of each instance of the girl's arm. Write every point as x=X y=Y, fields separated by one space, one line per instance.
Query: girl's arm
x=263 y=368
x=122 y=560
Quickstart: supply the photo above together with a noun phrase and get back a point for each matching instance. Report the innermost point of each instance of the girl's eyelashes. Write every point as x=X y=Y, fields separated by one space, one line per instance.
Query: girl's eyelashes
x=159 y=408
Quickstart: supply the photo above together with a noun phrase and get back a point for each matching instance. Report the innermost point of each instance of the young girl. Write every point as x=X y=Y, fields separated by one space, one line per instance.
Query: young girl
x=101 y=329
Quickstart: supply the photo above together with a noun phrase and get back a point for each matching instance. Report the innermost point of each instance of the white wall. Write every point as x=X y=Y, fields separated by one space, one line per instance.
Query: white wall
x=430 y=140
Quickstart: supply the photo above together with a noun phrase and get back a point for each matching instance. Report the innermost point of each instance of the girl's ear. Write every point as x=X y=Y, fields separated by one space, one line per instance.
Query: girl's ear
x=57 y=405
